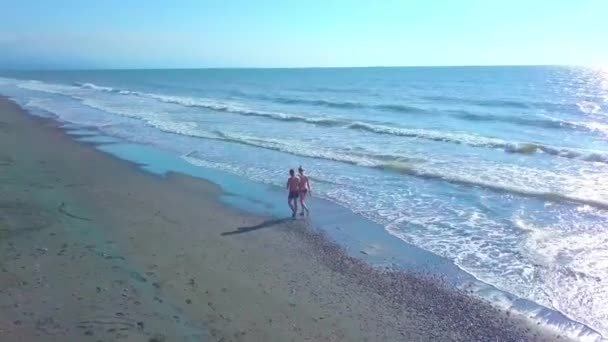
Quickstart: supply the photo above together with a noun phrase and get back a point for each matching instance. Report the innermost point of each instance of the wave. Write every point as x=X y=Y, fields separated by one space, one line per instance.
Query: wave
x=242 y=110
x=290 y=148
x=411 y=170
x=392 y=107
x=192 y=102
x=501 y=103
x=597 y=127
x=324 y=121
x=239 y=109
x=331 y=90
x=542 y=122
x=480 y=141
x=299 y=150
x=324 y=103
x=346 y=105
x=222 y=106
x=95 y=87
x=454 y=138
x=184 y=101
x=551 y=123
x=403 y=166
x=482 y=103
x=399 y=108
x=400 y=165
x=431 y=135
x=596 y=157
x=586 y=107
x=392 y=163
x=589 y=107
x=471 y=140
x=530 y=148
x=497 y=103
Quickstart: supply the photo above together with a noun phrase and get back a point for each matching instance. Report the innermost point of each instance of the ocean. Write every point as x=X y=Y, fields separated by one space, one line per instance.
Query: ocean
x=503 y=171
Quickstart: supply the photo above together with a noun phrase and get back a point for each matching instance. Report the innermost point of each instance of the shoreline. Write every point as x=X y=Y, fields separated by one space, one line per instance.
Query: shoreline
x=271 y=280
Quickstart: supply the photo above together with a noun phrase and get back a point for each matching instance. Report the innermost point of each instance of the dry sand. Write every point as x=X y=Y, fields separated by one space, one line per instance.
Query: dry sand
x=93 y=249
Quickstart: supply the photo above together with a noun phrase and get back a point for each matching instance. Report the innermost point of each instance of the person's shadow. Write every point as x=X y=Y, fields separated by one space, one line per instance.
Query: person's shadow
x=265 y=224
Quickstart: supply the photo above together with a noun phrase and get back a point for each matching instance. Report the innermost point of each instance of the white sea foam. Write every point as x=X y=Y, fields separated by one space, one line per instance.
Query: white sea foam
x=597 y=126
x=47 y=87
x=95 y=87
x=573 y=267
x=416 y=133
x=495 y=177
x=589 y=107
x=520 y=181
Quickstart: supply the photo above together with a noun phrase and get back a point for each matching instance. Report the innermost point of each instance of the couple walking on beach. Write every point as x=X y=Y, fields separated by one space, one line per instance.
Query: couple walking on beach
x=299 y=188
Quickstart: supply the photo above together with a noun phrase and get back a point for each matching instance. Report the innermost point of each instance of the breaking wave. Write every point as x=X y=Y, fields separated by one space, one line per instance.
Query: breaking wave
x=417 y=168
x=95 y=87
x=499 y=103
x=524 y=148
x=346 y=105
x=480 y=141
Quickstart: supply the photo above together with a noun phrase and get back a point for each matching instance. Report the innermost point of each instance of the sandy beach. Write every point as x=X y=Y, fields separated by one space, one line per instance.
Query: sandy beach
x=94 y=249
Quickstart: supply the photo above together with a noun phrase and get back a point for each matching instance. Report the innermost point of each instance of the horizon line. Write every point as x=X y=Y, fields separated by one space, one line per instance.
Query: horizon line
x=298 y=68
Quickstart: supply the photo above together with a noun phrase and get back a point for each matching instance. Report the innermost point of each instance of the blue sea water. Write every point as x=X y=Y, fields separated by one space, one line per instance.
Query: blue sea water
x=501 y=170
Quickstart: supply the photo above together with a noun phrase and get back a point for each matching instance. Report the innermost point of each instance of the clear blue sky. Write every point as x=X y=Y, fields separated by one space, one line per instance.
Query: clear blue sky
x=174 y=34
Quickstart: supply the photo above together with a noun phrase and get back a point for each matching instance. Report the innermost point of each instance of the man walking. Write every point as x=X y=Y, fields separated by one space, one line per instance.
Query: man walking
x=293 y=186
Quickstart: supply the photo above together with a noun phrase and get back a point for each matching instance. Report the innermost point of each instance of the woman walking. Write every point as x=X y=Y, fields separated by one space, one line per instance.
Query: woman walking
x=304 y=190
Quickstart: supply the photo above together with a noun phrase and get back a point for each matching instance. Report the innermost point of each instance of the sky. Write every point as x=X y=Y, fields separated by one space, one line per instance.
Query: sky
x=308 y=33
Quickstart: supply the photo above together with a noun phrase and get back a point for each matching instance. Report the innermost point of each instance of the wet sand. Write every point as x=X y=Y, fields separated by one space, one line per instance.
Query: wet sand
x=94 y=249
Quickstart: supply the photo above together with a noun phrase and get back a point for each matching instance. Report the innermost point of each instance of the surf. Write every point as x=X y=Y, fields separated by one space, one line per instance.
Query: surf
x=524 y=148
